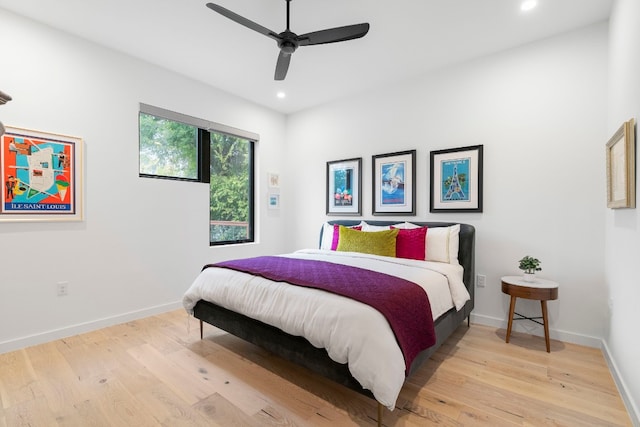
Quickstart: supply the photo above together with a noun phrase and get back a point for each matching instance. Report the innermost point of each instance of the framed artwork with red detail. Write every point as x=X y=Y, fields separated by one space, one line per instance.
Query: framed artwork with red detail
x=344 y=187
x=41 y=176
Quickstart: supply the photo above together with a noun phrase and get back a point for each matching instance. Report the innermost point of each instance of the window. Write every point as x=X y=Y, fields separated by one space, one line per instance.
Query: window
x=167 y=148
x=231 y=189
x=176 y=146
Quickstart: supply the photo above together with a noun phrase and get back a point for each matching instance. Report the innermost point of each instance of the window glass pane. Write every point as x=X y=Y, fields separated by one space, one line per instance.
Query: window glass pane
x=168 y=148
x=231 y=198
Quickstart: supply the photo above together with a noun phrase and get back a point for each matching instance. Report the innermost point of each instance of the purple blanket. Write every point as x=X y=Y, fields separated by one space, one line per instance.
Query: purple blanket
x=404 y=304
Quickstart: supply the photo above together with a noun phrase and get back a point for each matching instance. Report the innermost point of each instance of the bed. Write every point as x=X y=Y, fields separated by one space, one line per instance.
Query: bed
x=449 y=252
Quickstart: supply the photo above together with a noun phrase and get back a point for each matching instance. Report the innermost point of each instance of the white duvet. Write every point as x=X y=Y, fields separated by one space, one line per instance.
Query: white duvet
x=352 y=332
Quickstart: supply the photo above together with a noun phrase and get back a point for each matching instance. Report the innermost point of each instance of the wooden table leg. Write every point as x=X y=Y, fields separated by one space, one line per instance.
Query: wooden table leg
x=512 y=309
x=546 y=325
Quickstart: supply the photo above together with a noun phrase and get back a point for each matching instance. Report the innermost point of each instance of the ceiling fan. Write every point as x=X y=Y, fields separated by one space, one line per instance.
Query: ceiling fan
x=289 y=41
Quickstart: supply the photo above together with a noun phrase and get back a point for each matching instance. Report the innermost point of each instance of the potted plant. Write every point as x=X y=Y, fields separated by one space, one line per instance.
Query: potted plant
x=529 y=265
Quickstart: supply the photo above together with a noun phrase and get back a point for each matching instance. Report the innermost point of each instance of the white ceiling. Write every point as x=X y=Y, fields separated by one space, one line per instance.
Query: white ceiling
x=407 y=38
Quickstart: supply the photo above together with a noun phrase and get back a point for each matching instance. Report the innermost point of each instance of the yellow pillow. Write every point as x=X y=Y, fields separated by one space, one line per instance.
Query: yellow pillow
x=368 y=242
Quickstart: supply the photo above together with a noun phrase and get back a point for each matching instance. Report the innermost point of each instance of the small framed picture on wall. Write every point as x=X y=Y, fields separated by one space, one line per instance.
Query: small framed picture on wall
x=344 y=187
x=394 y=181
x=274 y=201
x=456 y=180
x=621 y=164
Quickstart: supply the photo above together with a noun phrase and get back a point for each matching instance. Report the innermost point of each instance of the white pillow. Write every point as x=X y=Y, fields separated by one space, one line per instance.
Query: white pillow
x=369 y=227
x=406 y=225
x=443 y=244
x=327 y=236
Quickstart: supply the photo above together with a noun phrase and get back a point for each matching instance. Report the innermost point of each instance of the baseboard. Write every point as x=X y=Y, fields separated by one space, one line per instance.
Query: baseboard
x=632 y=407
x=28 y=341
x=535 y=329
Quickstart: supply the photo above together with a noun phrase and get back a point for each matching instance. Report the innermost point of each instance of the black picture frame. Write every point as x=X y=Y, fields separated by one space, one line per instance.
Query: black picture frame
x=394 y=183
x=456 y=179
x=344 y=187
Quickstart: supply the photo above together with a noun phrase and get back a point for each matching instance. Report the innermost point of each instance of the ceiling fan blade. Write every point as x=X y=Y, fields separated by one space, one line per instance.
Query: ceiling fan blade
x=282 y=66
x=244 y=21
x=333 y=35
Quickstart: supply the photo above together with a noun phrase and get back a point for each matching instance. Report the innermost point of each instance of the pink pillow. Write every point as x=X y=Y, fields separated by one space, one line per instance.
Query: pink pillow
x=411 y=243
x=336 y=235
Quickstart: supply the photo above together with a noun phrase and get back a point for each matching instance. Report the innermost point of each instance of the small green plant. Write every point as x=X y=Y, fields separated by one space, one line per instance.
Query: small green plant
x=530 y=265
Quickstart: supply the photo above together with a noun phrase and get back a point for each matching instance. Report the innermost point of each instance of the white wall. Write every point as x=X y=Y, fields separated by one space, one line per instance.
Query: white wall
x=143 y=240
x=623 y=225
x=540 y=112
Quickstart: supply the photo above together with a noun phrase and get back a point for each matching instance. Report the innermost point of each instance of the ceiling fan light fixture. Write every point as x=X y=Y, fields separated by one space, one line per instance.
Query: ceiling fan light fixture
x=288 y=46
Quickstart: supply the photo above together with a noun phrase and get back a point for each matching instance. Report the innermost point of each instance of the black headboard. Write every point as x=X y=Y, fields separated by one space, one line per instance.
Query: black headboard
x=466 y=251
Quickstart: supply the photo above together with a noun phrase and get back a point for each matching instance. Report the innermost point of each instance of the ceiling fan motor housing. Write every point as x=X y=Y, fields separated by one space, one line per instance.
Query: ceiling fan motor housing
x=289 y=42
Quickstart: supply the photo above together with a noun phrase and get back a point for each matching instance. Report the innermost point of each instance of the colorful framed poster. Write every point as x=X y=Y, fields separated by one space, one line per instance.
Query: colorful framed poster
x=394 y=181
x=344 y=187
x=41 y=176
x=456 y=180
x=621 y=167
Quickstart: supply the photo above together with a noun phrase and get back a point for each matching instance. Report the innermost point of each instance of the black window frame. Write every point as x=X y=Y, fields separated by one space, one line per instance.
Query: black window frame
x=204 y=130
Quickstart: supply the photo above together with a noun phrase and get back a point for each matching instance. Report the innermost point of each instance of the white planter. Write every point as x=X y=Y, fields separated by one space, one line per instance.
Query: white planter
x=529 y=277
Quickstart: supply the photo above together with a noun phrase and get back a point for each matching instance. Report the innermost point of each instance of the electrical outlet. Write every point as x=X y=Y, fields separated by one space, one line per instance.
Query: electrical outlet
x=481 y=280
x=62 y=288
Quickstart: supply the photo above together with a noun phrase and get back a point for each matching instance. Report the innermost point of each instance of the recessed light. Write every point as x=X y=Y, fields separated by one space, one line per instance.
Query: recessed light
x=527 y=5
x=281 y=95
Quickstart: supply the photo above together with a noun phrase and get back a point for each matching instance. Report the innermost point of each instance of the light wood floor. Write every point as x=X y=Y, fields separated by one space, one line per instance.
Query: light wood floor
x=157 y=372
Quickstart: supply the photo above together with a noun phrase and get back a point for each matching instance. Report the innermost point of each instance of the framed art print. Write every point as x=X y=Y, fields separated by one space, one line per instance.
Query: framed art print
x=621 y=175
x=274 y=201
x=273 y=180
x=394 y=180
x=344 y=187
x=456 y=180
x=41 y=175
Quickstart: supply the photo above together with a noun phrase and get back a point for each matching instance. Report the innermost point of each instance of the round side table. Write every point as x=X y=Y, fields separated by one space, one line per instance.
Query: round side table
x=541 y=290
